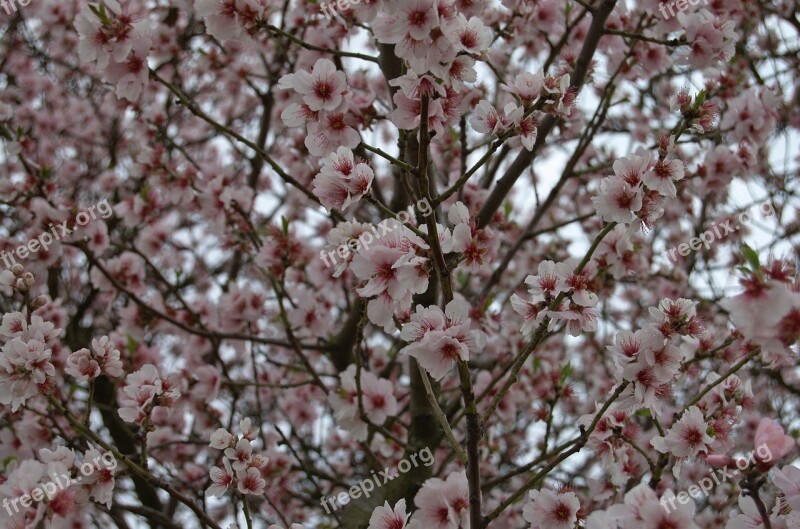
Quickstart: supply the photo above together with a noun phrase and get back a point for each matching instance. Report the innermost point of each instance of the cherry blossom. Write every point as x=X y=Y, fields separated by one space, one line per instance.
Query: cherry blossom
x=234 y=253
x=144 y=390
x=438 y=339
x=377 y=402
x=386 y=517
x=750 y=517
x=342 y=181
x=101 y=480
x=441 y=503
x=618 y=200
x=250 y=481
x=770 y=435
x=549 y=509
x=26 y=365
x=221 y=479
x=687 y=438
x=322 y=88
x=787 y=479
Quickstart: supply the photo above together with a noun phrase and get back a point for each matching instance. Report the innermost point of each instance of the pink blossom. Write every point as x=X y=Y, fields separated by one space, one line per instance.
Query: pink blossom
x=686 y=438
x=662 y=175
x=241 y=454
x=377 y=399
x=221 y=479
x=221 y=439
x=82 y=366
x=144 y=390
x=442 y=504
x=250 y=481
x=473 y=35
x=770 y=435
x=618 y=201
x=788 y=480
x=342 y=181
x=750 y=517
x=101 y=480
x=330 y=132
x=550 y=509
x=23 y=366
x=386 y=517
x=322 y=89
x=437 y=339
x=527 y=86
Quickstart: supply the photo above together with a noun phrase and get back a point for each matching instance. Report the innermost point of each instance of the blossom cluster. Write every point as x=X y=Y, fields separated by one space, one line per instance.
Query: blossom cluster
x=370 y=395
x=245 y=472
x=438 y=339
x=523 y=328
x=398 y=267
x=26 y=360
x=68 y=494
x=145 y=392
x=554 y=279
x=650 y=358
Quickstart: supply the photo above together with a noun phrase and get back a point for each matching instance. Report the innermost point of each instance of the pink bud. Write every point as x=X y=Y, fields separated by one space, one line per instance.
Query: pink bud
x=719 y=460
x=771 y=443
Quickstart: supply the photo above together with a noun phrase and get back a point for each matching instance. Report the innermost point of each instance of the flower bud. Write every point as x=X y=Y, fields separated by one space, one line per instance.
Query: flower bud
x=21 y=286
x=17 y=269
x=684 y=101
x=40 y=301
x=719 y=460
x=29 y=279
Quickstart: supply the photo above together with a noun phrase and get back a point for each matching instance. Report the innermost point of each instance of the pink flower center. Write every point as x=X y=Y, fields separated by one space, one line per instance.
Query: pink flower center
x=393 y=521
x=323 y=90
x=561 y=512
x=469 y=39
x=693 y=436
x=378 y=401
x=251 y=482
x=646 y=378
x=450 y=350
x=418 y=17
x=625 y=199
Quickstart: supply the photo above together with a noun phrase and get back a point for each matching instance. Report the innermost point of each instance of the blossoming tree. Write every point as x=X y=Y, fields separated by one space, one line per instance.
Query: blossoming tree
x=563 y=325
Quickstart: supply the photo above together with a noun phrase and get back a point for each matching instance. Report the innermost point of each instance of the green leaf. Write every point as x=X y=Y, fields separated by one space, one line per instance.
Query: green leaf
x=536 y=364
x=751 y=256
x=700 y=98
x=7 y=461
x=566 y=371
x=489 y=300
x=100 y=11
